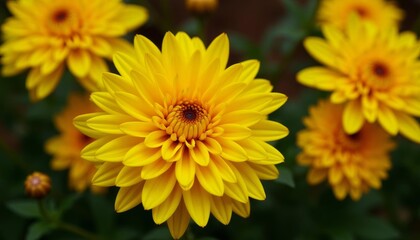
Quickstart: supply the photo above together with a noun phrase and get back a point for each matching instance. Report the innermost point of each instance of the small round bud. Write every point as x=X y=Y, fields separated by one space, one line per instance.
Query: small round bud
x=201 y=6
x=37 y=185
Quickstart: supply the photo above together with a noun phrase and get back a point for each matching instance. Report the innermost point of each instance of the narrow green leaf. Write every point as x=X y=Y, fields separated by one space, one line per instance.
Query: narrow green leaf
x=159 y=233
x=375 y=229
x=38 y=229
x=285 y=177
x=25 y=208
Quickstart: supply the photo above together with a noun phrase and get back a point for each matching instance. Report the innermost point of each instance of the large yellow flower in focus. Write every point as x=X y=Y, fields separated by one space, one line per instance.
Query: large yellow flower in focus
x=382 y=13
x=47 y=35
x=66 y=147
x=352 y=164
x=375 y=72
x=182 y=134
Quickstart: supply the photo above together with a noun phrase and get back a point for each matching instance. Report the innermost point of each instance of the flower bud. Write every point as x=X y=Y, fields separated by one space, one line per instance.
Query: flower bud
x=37 y=185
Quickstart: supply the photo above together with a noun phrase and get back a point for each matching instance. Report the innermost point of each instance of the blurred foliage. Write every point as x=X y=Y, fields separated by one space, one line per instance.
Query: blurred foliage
x=292 y=210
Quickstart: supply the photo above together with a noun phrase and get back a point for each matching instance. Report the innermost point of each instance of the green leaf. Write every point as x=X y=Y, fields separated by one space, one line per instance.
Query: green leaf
x=286 y=177
x=158 y=233
x=68 y=203
x=375 y=228
x=38 y=229
x=25 y=208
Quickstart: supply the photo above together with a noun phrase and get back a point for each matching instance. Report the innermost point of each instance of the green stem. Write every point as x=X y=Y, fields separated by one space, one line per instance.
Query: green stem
x=77 y=230
x=43 y=210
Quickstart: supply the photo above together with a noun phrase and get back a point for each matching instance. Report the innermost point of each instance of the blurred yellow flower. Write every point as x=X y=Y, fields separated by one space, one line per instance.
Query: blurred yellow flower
x=383 y=13
x=37 y=185
x=201 y=6
x=375 y=72
x=182 y=134
x=47 y=35
x=66 y=147
x=352 y=164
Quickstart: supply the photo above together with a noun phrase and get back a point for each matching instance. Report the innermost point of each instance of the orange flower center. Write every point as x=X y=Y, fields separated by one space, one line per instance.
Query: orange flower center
x=187 y=120
x=380 y=70
x=60 y=16
x=361 y=11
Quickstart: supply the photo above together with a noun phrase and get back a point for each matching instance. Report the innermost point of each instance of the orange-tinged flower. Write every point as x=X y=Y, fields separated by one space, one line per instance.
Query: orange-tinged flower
x=201 y=6
x=37 y=185
x=382 y=13
x=351 y=163
x=374 y=71
x=66 y=147
x=47 y=35
x=182 y=134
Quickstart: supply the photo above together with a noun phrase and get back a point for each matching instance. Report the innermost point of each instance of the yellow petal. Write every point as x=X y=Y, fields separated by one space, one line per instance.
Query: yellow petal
x=219 y=48
x=210 y=179
x=79 y=62
x=265 y=172
x=115 y=150
x=408 y=126
x=197 y=202
x=316 y=176
x=221 y=208
x=108 y=123
x=320 y=50
x=388 y=120
x=130 y=104
x=267 y=130
x=157 y=190
x=179 y=221
x=237 y=190
x=165 y=210
x=156 y=139
x=138 y=129
x=242 y=209
x=185 y=172
x=106 y=174
x=245 y=118
x=106 y=102
x=319 y=77
x=128 y=176
x=353 y=118
x=128 y=197
x=224 y=169
x=235 y=131
x=232 y=151
x=170 y=149
x=155 y=169
x=335 y=175
x=254 y=151
x=140 y=155
x=89 y=151
x=252 y=182
x=200 y=154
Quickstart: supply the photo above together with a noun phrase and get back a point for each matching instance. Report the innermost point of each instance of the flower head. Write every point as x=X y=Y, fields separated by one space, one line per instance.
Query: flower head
x=201 y=6
x=37 y=185
x=382 y=13
x=181 y=133
x=66 y=147
x=46 y=35
x=352 y=163
x=375 y=72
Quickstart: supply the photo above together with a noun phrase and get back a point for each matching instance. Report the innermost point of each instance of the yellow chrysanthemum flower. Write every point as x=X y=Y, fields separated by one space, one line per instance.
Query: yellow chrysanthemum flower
x=383 y=13
x=47 y=35
x=376 y=72
x=66 y=147
x=352 y=164
x=183 y=135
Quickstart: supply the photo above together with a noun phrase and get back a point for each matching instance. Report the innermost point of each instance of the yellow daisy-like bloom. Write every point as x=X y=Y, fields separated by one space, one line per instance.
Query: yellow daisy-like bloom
x=47 y=35
x=182 y=134
x=66 y=147
x=375 y=72
x=352 y=164
x=337 y=12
